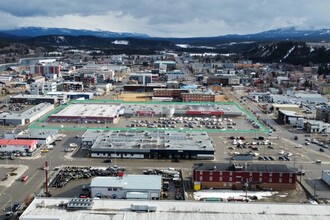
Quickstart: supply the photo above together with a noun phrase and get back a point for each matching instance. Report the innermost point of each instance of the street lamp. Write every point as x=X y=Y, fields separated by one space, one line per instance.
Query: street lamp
x=246 y=186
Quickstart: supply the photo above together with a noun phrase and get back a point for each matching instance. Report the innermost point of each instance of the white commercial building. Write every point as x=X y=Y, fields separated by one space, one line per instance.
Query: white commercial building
x=107 y=209
x=326 y=176
x=26 y=117
x=127 y=187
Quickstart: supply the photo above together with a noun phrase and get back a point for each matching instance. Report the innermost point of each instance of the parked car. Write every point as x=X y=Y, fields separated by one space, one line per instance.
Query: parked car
x=50 y=147
x=301 y=172
x=44 y=150
x=9 y=215
x=59 y=138
x=83 y=196
x=318 y=161
x=261 y=158
x=15 y=206
x=321 y=150
x=107 y=161
x=68 y=149
x=289 y=154
x=286 y=158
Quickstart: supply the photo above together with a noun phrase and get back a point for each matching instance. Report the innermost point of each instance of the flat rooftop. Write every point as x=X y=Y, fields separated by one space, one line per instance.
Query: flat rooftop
x=37 y=133
x=25 y=96
x=248 y=168
x=28 y=113
x=136 y=182
x=90 y=110
x=199 y=108
x=149 y=140
x=109 y=209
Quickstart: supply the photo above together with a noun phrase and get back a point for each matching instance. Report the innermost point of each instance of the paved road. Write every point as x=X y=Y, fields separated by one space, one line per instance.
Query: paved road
x=57 y=157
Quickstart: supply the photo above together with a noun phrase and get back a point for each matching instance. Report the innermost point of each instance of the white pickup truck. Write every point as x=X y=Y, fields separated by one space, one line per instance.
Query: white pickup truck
x=73 y=145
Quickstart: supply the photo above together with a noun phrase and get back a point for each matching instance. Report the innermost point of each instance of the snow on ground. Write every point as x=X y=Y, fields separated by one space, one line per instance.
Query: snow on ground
x=230 y=194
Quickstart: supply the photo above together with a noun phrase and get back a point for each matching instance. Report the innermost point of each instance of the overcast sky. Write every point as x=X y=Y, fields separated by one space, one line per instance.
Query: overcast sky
x=167 y=18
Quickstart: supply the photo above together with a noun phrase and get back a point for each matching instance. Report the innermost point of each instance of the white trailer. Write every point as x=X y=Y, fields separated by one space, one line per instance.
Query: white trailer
x=326 y=176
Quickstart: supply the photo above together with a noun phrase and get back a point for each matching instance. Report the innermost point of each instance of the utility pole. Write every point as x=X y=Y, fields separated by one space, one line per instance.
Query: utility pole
x=314 y=189
x=46 y=173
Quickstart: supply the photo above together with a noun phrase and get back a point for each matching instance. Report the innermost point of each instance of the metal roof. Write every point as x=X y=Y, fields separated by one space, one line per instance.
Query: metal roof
x=90 y=110
x=146 y=140
x=18 y=142
x=129 y=182
x=104 y=209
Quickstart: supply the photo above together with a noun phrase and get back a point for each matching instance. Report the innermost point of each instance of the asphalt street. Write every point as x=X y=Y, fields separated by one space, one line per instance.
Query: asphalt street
x=19 y=191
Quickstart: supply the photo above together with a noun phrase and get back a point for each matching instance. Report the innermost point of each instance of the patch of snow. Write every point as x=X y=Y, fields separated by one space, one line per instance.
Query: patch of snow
x=289 y=52
x=311 y=50
x=227 y=194
x=183 y=45
x=282 y=196
x=121 y=42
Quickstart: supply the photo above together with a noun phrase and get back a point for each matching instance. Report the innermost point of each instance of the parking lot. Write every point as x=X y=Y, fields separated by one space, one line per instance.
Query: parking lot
x=213 y=118
x=269 y=149
x=75 y=181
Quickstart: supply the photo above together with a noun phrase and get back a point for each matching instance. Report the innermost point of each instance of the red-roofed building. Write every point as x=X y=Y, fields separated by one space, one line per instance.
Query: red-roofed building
x=10 y=145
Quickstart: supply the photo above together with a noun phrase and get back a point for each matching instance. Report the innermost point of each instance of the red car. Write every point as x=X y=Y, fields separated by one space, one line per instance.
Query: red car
x=24 y=178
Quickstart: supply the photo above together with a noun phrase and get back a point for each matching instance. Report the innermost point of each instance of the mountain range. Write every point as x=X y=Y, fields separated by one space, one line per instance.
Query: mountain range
x=39 y=31
x=288 y=45
x=290 y=33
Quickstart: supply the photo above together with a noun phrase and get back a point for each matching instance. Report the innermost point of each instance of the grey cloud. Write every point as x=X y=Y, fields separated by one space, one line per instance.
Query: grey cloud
x=237 y=15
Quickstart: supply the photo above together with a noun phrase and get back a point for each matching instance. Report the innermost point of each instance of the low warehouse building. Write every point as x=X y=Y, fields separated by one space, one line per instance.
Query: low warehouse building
x=13 y=145
x=127 y=187
x=251 y=176
x=33 y=99
x=148 y=144
x=26 y=117
x=88 y=113
x=43 y=136
x=105 y=209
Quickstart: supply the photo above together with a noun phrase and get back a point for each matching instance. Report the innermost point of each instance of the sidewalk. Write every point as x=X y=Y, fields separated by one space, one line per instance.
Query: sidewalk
x=19 y=171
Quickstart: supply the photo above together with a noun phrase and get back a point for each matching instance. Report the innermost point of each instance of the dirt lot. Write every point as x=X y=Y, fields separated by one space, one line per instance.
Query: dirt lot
x=134 y=97
x=293 y=196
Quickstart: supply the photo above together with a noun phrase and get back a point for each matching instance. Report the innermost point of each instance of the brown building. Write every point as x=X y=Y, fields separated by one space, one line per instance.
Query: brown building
x=223 y=80
x=174 y=93
x=198 y=97
x=325 y=89
x=238 y=176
